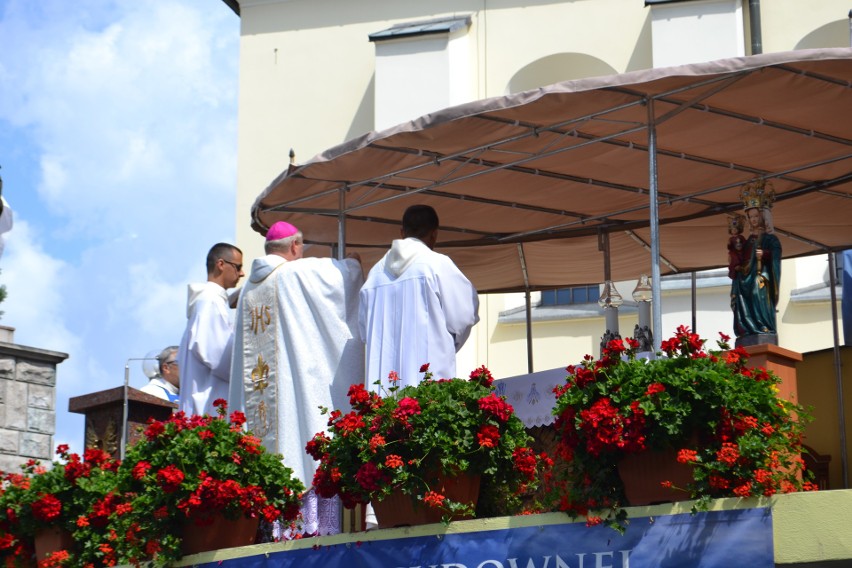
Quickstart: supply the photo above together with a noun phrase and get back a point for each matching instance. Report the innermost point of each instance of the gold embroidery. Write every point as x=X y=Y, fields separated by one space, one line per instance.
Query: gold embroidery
x=261 y=316
x=262 y=420
x=260 y=375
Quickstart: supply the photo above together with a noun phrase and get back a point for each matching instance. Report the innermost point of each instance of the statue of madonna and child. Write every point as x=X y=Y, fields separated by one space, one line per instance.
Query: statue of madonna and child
x=754 y=266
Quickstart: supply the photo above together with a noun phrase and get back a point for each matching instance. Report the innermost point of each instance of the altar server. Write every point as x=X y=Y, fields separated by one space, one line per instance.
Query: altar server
x=296 y=349
x=204 y=356
x=416 y=306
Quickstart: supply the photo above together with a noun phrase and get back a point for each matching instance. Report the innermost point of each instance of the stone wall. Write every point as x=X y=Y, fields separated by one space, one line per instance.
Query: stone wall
x=27 y=403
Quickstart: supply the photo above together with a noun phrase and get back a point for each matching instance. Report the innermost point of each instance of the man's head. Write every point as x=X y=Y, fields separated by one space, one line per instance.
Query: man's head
x=284 y=240
x=420 y=222
x=225 y=265
x=169 y=366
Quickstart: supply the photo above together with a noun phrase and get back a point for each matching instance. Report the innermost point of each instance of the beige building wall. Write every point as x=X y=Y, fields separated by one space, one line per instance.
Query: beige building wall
x=307 y=83
x=817 y=388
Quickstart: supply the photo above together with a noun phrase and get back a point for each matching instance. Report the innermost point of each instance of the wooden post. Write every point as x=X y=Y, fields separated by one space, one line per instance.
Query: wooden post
x=104 y=415
x=780 y=361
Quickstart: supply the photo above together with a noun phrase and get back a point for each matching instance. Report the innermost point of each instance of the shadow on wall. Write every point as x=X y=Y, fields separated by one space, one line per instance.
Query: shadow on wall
x=835 y=34
x=556 y=68
x=365 y=116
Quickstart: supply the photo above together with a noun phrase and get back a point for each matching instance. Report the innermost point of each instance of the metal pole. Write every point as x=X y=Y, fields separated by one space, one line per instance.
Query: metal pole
x=694 y=304
x=125 y=402
x=755 y=27
x=838 y=370
x=124 y=410
x=523 y=260
x=341 y=225
x=655 y=226
x=529 y=333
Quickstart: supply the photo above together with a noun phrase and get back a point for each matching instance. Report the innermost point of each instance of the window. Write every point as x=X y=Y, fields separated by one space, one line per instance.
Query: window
x=573 y=295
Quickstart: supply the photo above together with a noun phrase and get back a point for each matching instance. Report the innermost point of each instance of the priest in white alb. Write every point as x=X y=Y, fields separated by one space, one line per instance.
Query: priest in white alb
x=296 y=349
x=204 y=355
x=416 y=306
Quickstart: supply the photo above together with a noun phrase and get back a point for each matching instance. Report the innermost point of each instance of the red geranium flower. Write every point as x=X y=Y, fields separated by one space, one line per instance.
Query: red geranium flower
x=170 y=478
x=47 y=508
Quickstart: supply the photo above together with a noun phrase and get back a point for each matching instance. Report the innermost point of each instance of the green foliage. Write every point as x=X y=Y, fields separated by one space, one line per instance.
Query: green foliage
x=2 y=297
x=407 y=439
x=43 y=498
x=182 y=474
x=724 y=419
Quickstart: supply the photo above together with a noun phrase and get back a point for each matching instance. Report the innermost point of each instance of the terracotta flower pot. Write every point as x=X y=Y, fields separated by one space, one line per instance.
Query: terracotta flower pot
x=643 y=475
x=401 y=510
x=53 y=539
x=222 y=533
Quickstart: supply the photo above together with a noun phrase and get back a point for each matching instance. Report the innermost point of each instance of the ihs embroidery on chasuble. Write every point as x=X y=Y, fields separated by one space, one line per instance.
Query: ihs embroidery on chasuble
x=259 y=372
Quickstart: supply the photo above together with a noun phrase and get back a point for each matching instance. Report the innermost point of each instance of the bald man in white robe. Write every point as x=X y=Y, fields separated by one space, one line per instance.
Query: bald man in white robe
x=296 y=349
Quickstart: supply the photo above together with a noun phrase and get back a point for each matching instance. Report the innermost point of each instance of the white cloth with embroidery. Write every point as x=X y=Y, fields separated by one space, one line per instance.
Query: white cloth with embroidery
x=295 y=349
x=204 y=355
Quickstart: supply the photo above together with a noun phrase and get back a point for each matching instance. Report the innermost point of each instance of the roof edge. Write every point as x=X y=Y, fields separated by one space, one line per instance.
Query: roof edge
x=233 y=5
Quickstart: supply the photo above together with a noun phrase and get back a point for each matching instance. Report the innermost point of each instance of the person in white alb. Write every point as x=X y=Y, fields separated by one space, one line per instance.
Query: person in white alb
x=296 y=349
x=166 y=383
x=204 y=356
x=416 y=306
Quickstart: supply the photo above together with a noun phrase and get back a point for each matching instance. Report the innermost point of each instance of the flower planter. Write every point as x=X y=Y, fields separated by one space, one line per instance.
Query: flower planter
x=643 y=474
x=53 y=539
x=222 y=533
x=401 y=510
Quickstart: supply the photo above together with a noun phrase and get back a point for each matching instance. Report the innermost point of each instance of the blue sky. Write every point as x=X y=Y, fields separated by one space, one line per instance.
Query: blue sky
x=118 y=136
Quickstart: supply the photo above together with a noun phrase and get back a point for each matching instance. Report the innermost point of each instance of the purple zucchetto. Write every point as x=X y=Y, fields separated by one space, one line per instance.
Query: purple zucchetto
x=281 y=230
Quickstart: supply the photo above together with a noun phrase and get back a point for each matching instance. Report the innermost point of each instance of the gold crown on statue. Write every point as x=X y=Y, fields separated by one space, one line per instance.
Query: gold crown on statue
x=758 y=193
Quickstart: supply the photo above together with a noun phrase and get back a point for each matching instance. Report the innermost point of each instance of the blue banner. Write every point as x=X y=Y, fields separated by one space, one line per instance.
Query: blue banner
x=717 y=539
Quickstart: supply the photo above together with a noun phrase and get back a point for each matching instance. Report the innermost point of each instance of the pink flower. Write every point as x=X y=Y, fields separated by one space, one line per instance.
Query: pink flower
x=407 y=407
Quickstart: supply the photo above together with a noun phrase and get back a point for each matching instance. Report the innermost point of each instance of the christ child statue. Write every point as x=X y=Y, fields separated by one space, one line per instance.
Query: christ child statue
x=736 y=244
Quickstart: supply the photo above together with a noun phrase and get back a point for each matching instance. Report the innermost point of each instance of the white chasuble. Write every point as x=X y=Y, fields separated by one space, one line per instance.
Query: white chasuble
x=296 y=349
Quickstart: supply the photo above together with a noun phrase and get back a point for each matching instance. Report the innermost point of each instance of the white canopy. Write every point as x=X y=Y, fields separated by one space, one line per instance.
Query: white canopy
x=527 y=184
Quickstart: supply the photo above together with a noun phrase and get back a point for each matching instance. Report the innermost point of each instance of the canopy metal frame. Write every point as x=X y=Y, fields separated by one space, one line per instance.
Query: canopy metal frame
x=559 y=141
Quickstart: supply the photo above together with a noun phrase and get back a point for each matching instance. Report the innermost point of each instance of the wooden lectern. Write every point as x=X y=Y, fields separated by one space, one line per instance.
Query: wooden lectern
x=104 y=412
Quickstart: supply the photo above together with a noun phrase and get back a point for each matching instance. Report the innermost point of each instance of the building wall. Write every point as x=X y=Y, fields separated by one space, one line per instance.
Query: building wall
x=307 y=82
x=818 y=390
x=27 y=404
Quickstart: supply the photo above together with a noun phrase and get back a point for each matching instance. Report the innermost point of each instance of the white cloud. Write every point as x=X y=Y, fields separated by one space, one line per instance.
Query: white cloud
x=34 y=305
x=120 y=110
x=126 y=112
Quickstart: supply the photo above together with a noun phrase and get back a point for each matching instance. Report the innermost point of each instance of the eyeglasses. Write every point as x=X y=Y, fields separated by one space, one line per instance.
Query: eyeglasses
x=239 y=267
x=170 y=363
